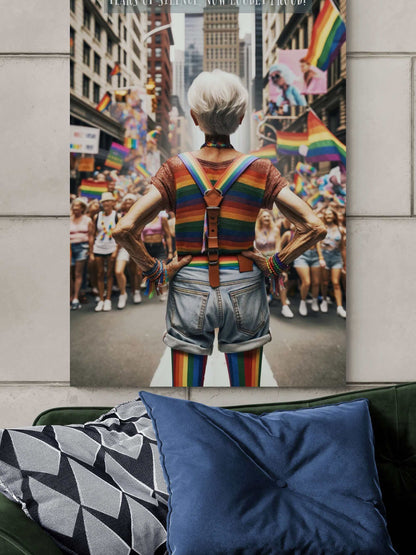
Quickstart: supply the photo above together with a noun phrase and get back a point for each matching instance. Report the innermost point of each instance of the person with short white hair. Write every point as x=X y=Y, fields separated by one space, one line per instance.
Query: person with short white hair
x=217 y=279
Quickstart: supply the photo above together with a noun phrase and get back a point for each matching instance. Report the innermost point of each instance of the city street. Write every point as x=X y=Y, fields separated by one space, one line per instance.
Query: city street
x=125 y=348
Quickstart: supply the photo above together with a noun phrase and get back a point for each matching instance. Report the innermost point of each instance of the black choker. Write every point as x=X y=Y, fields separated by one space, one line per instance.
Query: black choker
x=217 y=145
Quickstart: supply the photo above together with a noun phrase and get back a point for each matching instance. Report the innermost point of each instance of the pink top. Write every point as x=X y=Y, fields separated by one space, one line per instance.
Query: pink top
x=78 y=231
x=154 y=228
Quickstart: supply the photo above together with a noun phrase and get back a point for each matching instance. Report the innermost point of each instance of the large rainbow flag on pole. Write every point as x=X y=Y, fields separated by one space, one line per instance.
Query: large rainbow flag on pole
x=322 y=144
x=328 y=35
x=104 y=102
x=268 y=151
x=289 y=143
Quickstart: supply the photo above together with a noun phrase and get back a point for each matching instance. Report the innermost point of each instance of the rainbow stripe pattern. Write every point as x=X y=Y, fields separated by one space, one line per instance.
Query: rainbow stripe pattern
x=104 y=102
x=244 y=369
x=299 y=185
x=314 y=199
x=268 y=151
x=288 y=143
x=92 y=189
x=130 y=143
x=239 y=208
x=116 y=70
x=305 y=169
x=188 y=370
x=142 y=170
x=323 y=145
x=328 y=35
x=116 y=156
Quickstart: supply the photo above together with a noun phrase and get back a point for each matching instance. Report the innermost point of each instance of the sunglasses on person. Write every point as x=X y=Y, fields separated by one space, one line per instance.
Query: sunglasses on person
x=275 y=76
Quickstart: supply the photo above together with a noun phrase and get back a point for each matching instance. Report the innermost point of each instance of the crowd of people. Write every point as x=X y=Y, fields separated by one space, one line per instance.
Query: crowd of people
x=101 y=268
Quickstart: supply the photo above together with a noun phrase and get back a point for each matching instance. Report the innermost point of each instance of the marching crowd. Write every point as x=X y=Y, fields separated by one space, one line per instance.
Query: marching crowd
x=100 y=267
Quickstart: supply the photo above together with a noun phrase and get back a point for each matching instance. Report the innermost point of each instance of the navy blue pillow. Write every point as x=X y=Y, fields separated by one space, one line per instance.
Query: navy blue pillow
x=286 y=482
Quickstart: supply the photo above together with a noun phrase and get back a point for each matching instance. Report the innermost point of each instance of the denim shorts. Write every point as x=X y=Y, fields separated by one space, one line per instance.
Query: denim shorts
x=309 y=259
x=79 y=252
x=333 y=259
x=238 y=308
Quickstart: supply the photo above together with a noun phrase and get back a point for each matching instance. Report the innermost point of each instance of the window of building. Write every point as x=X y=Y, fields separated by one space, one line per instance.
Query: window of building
x=158 y=90
x=158 y=23
x=158 y=52
x=71 y=74
x=86 y=53
x=72 y=6
x=96 y=93
x=109 y=45
x=125 y=33
x=158 y=66
x=86 y=86
x=136 y=70
x=158 y=39
x=158 y=78
x=97 y=63
x=97 y=31
x=305 y=34
x=333 y=120
x=136 y=49
x=87 y=18
x=124 y=57
x=72 y=41
x=119 y=25
x=109 y=69
x=124 y=81
x=149 y=52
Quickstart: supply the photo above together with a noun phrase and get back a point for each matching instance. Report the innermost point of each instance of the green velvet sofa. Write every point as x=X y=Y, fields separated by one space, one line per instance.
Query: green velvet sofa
x=393 y=414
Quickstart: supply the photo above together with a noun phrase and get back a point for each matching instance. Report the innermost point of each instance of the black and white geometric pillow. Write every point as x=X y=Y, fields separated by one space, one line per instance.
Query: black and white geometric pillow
x=97 y=488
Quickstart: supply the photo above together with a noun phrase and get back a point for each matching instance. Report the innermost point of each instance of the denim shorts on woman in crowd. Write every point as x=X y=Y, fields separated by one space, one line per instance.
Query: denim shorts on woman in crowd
x=238 y=308
x=309 y=259
x=157 y=250
x=79 y=252
x=333 y=259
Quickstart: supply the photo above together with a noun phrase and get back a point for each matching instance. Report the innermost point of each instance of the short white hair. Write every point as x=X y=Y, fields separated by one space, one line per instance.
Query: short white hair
x=219 y=100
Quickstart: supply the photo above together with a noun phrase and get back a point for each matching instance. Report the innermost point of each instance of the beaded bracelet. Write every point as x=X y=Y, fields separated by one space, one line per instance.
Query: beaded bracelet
x=157 y=277
x=276 y=267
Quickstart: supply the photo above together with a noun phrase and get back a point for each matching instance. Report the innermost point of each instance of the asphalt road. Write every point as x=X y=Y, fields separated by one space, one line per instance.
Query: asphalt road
x=123 y=348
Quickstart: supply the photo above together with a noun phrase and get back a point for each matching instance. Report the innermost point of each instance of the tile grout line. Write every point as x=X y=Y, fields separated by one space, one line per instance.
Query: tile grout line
x=412 y=136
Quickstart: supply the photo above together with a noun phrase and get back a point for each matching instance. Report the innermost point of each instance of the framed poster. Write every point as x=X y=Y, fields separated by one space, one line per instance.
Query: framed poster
x=130 y=72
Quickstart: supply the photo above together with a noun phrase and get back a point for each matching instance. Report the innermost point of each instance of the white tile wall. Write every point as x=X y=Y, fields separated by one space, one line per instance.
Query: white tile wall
x=34 y=178
x=35 y=26
x=378 y=136
x=382 y=302
x=375 y=26
x=34 y=116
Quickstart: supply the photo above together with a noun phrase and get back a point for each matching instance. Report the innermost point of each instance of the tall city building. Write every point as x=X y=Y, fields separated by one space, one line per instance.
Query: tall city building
x=194 y=48
x=221 y=40
x=159 y=68
x=246 y=60
x=100 y=40
x=178 y=67
x=257 y=89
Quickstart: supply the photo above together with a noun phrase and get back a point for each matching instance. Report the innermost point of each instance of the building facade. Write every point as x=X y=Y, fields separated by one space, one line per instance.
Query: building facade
x=159 y=68
x=221 y=40
x=296 y=32
x=98 y=41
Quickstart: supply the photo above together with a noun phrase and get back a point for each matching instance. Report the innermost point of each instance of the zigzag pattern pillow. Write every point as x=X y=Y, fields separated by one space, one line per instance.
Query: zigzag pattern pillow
x=96 y=488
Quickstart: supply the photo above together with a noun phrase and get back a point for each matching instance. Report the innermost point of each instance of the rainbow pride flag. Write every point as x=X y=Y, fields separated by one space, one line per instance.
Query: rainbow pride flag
x=142 y=170
x=268 y=151
x=116 y=70
x=130 y=143
x=153 y=134
x=116 y=156
x=314 y=199
x=305 y=169
x=299 y=185
x=323 y=145
x=92 y=189
x=104 y=102
x=289 y=143
x=328 y=35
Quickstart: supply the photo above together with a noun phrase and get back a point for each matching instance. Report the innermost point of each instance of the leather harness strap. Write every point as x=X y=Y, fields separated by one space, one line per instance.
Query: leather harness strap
x=213 y=199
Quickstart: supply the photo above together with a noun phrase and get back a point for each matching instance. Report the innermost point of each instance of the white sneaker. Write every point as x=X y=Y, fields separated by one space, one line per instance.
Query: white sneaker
x=100 y=306
x=286 y=312
x=122 y=301
x=315 y=306
x=324 y=306
x=137 y=298
x=107 y=305
x=341 y=312
x=303 y=309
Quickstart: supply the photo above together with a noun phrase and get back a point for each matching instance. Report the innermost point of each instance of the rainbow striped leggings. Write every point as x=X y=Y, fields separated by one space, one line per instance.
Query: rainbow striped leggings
x=238 y=309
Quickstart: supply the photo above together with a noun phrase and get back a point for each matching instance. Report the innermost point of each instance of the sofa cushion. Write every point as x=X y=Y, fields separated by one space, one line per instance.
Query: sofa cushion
x=285 y=482
x=96 y=488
